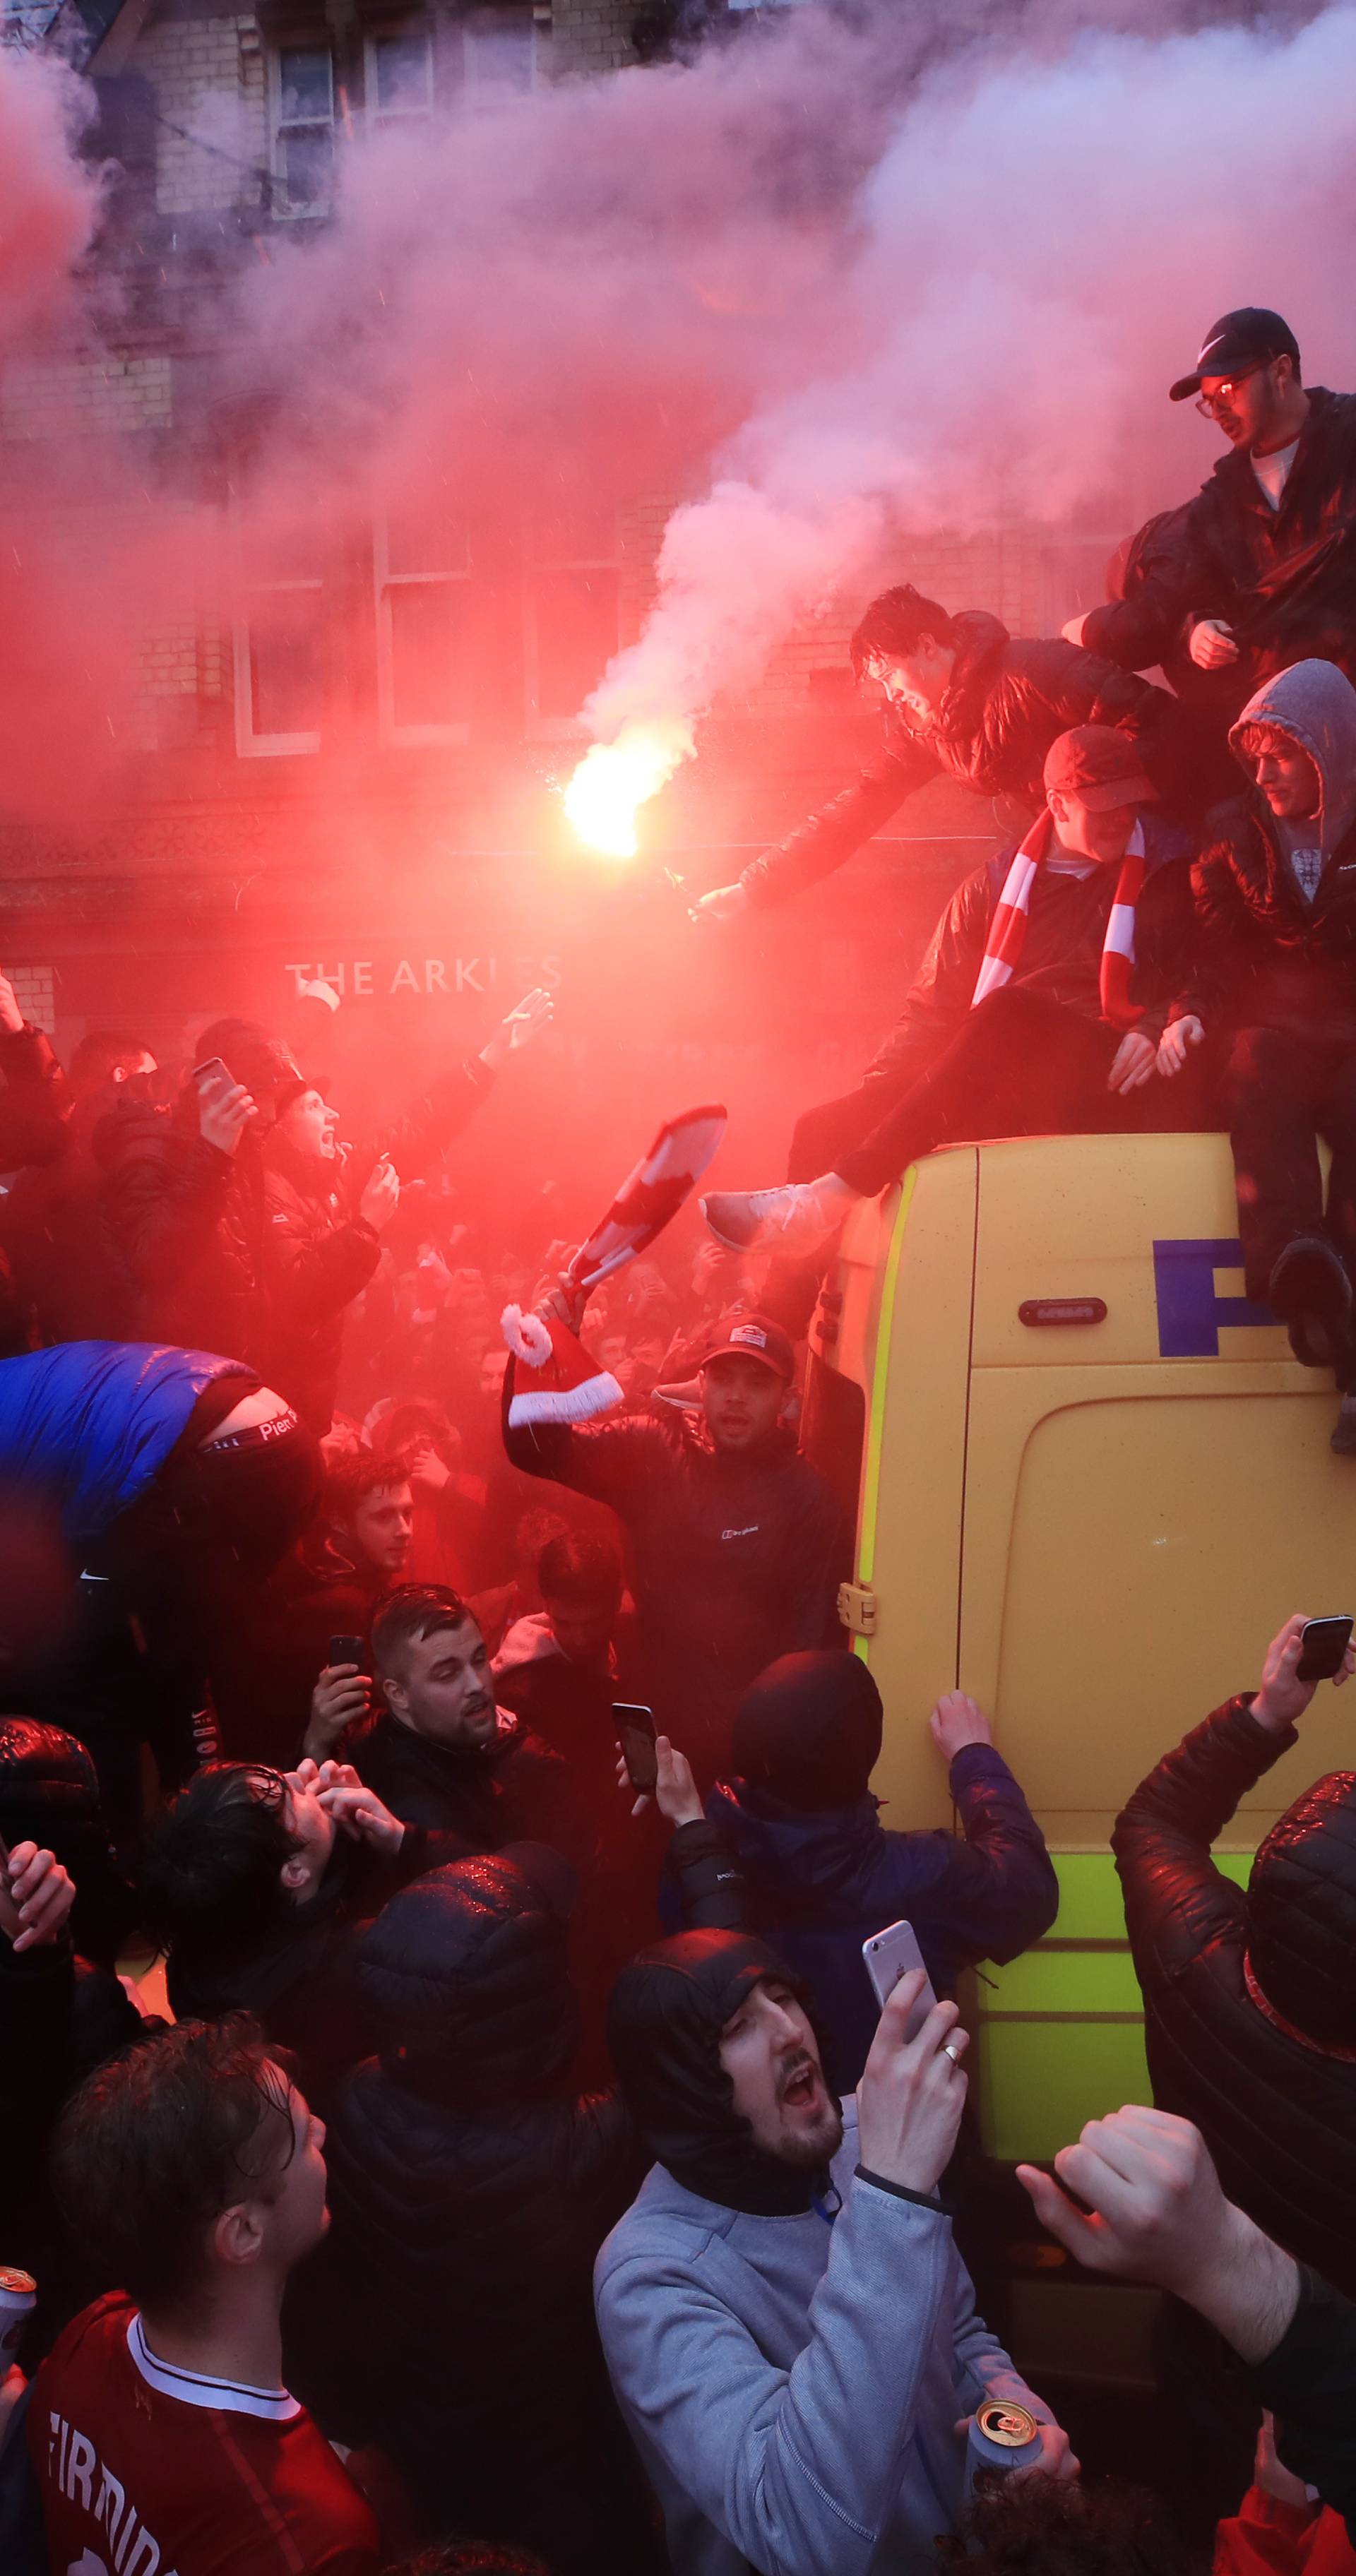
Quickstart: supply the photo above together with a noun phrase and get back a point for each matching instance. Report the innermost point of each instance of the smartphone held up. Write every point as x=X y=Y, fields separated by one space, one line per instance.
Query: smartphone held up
x=1323 y=1646
x=888 y=1956
x=635 y=1734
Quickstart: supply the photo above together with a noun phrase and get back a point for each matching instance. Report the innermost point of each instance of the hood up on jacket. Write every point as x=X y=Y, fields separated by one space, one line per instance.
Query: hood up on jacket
x=1315 y=704
x=49 y=1794
x=808 y=1731
x=664 y=2020
x=464 y=1973
x=1302 y=1914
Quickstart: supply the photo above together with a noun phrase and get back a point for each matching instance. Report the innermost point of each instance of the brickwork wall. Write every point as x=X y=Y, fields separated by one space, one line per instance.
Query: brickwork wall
x=35 y=993
x=84 y=397
x=211 y=84
x=590 y=36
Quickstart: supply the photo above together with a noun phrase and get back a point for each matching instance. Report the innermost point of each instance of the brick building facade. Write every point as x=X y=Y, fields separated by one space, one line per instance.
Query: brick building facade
x=250 y=821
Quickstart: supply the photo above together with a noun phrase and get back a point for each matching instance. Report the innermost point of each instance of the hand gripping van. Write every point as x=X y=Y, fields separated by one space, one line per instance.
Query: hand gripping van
x=1090 y=1483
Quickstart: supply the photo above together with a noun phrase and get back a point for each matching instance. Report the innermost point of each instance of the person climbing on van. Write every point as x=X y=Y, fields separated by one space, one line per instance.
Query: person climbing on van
x=1056 y=990
x=821 y=1871
x=968 y=700
x=1275 y=891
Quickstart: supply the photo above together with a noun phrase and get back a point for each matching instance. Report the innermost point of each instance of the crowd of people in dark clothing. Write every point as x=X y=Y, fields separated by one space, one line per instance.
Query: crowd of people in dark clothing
x=450 y=2124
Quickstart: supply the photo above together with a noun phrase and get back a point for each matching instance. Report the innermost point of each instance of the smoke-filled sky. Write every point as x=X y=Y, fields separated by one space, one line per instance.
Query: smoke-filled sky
x=843 y=278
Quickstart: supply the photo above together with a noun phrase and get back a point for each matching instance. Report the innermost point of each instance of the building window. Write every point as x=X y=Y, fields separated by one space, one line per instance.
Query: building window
x=279 y=647
x=572 y=607
x=399 y=78
x=422 y=565
x=301 y=98
x=500 y=54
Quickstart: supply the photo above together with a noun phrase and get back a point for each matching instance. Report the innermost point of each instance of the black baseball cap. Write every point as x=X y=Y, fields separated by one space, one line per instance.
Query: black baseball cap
x=1242 y=339
x=752 y=1337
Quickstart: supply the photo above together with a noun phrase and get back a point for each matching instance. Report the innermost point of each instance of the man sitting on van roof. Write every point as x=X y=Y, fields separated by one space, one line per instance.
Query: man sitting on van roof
x=1276 y=894
x=1055 y=990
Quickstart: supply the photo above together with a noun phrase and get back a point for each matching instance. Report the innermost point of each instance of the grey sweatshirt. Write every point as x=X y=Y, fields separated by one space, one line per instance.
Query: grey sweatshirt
x=792 y=2387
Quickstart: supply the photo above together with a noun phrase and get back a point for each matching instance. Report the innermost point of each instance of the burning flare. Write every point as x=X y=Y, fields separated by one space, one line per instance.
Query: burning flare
x=615 y=778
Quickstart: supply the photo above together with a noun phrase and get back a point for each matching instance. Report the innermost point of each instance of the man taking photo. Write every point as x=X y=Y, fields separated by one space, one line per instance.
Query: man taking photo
x=791 y=2334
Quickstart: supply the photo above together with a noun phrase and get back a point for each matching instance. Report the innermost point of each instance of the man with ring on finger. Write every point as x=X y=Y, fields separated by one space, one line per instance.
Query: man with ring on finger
x=791 y=2334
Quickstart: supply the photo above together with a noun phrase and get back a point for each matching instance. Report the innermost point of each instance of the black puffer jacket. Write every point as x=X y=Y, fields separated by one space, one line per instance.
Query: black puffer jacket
x=450 y=2316
x=512 y=1791
x=1009 y=698
x=301 y=1980
x=1284 y=580
x=1278 y=2115
x=734 y=1559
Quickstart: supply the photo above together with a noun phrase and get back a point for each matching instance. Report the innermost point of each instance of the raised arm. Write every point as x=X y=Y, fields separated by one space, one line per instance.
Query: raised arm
x=800 y=2469
x=1176 y=1900
x=36 y=1100
x=820 y=845
x=996 y=1891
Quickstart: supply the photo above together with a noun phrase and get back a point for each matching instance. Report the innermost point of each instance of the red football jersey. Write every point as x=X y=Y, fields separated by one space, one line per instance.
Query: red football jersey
x=146 y=2470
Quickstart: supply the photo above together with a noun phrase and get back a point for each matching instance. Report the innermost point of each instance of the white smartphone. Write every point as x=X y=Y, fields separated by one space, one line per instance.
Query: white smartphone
x=887 y=1957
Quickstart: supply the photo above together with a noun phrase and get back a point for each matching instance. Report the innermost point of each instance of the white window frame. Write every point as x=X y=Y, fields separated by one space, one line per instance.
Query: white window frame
x=384 y=583
x=249 y=744
x=282 y=211
x=539 y=727
x=381 y=119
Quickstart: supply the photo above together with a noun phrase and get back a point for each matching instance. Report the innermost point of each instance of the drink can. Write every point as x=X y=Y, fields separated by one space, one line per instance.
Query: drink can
x=1002 y=2437
x=18 y=2299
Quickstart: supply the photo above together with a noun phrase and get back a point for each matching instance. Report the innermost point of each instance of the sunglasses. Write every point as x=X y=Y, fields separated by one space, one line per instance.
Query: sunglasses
x=1211 y=404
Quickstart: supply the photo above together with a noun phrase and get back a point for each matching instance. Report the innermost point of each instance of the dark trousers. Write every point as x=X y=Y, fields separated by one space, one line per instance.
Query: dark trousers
x=1282 y=1092
x=1019 y=1065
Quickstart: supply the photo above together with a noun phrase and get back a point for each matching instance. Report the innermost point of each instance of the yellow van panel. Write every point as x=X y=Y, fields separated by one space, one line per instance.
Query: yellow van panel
x=1134 y=1578
x=904 y=1281
x=1094 y=1527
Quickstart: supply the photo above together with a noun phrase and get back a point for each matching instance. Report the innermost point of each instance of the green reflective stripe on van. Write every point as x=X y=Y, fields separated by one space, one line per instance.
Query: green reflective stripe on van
x=1060 y=2030
x=880 y=1371
x=1063 y=1981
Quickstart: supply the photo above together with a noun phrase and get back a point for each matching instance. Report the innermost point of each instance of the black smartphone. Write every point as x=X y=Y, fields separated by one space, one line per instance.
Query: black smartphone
x=346 y=1650
x=635 y=1734
x=1323 y=1643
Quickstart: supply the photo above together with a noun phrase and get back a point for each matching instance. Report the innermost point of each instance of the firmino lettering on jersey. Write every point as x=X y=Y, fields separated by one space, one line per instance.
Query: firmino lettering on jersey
x=76 y=2468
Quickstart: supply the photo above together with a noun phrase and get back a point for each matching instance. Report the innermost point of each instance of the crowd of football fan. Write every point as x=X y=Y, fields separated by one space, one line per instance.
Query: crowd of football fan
x=377 y=2027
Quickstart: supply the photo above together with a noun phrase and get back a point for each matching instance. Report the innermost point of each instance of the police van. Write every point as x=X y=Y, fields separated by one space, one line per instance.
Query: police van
x=1090 y=1482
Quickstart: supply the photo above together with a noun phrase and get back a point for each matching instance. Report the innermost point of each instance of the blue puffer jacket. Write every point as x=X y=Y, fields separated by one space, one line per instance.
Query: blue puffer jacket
x=88 y=1425
x=821 y=1882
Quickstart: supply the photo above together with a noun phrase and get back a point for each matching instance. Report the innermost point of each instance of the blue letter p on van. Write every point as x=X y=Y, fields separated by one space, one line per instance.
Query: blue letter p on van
x=1190 y=1309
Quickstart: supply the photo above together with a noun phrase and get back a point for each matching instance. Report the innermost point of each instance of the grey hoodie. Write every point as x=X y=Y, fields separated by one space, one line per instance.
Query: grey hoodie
x=1315 y=704
x=793 y=2386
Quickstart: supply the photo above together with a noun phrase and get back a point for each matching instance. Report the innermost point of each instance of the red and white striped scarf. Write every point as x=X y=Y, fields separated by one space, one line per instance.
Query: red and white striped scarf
x=1007 y=931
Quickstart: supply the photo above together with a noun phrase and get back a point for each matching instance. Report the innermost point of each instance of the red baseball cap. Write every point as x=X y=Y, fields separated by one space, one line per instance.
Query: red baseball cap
x=1101 y=765
x=752 y=1337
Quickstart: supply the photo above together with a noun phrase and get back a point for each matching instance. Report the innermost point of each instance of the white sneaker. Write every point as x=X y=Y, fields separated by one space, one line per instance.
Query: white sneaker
x=796 y=1218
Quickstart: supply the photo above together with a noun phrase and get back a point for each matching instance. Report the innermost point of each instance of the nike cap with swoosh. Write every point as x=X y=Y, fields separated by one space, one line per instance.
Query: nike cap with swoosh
x=1242 y=339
